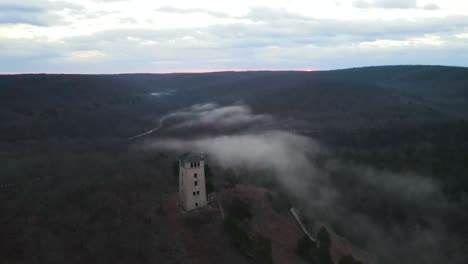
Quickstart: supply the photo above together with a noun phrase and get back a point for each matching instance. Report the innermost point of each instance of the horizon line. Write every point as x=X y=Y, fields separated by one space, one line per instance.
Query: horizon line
x=161 y=72
x=217 y=71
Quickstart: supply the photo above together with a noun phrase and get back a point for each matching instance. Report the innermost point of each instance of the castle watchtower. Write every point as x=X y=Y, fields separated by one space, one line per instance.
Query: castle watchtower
x=192 y=191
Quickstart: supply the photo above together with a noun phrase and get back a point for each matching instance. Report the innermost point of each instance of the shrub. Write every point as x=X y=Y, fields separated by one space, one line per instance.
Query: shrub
x=238 y=235
x=256 y=247
x=324 y=246
x=307 y=250
x=239 y=210
x=209 y=186
x=262 y=250
x=348 y=259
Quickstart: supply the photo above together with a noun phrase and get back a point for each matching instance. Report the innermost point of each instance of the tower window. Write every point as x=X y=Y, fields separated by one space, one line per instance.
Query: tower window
x=195 y=175
x=196 y=183
x=198 y=192
x=196 y=204
x=194 y=193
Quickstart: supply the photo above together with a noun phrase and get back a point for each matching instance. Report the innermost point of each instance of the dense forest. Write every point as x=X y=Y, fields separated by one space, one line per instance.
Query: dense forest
x=74 y=188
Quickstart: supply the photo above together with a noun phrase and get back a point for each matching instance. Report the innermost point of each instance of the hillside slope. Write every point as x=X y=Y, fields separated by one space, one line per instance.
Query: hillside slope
x=37 y=106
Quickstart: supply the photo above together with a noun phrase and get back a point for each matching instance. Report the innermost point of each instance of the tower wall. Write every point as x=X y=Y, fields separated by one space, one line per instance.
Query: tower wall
x=192 y=190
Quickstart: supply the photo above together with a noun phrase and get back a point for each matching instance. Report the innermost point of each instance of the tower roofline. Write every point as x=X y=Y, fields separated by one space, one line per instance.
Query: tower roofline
x=191 y=157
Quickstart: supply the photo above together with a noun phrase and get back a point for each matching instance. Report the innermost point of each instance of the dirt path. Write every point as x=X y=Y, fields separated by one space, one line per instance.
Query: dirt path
x=161 y=120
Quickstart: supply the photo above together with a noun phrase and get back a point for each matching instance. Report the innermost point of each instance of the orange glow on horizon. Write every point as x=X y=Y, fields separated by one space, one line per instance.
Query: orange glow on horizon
x=164 y=72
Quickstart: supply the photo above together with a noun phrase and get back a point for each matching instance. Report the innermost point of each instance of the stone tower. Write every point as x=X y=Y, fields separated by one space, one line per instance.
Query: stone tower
x=192 y=191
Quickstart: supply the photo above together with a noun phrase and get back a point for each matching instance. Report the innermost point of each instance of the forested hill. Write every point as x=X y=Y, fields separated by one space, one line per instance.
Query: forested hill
x=121 y=105
x=74 y=188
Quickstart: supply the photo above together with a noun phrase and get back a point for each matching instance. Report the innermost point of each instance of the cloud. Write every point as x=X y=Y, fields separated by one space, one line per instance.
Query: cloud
x=275 y=28
x=431 y=6
x=388 y=4
x=393 y=4
x=393 y=215
x=212 y=115
x=355 y=198
x=243 y=47
x=18 y=14
x=261 y=148
x=262 y=38
x=38 y=13
x=170 y=9
x=283 y=153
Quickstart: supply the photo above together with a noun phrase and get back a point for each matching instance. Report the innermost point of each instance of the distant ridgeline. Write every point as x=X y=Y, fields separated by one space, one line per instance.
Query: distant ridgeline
x=96 y=106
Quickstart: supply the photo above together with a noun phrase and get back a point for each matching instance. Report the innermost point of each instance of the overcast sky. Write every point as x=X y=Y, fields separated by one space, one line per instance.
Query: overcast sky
x=113 y=36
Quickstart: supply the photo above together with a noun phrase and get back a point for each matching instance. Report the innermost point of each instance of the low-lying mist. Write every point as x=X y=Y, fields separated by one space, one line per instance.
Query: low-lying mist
x=211 y=115
x=399 y=217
